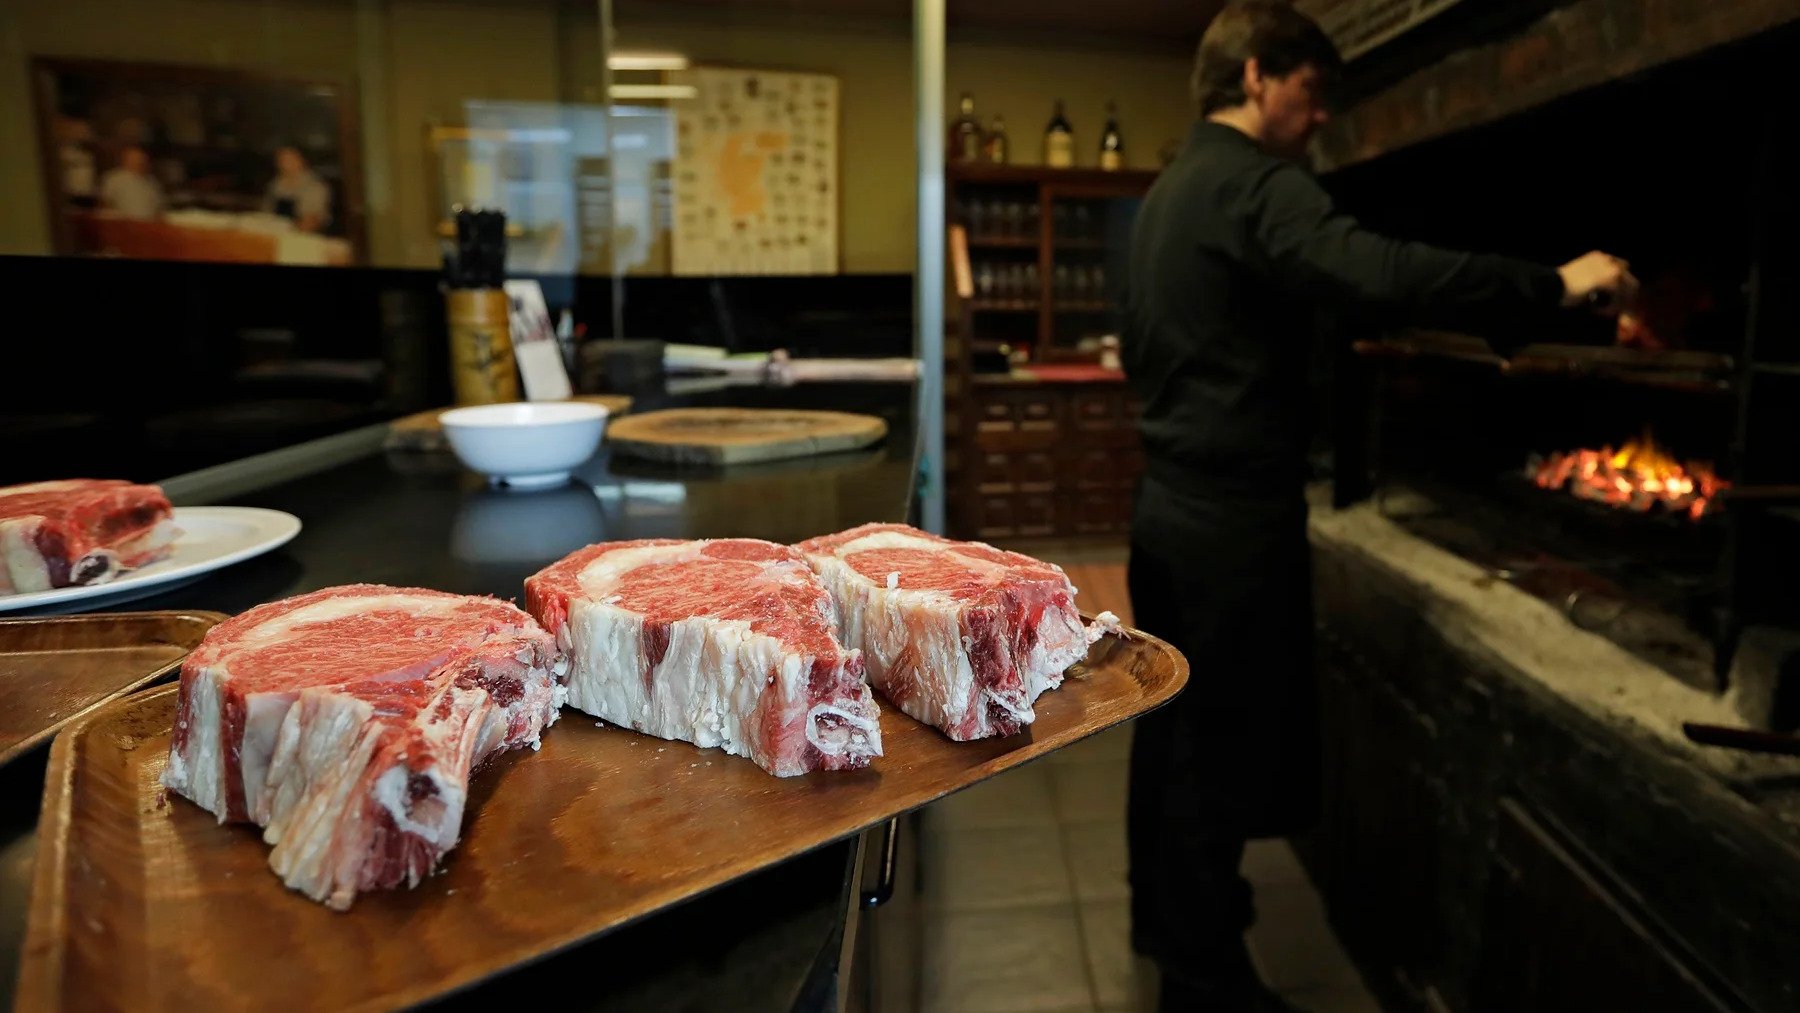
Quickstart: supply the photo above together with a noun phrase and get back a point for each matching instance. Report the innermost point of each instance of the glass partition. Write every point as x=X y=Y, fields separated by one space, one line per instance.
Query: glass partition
x=250 y=201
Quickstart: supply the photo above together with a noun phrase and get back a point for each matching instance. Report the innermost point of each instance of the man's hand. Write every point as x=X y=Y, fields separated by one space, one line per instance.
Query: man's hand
x=1599 y=280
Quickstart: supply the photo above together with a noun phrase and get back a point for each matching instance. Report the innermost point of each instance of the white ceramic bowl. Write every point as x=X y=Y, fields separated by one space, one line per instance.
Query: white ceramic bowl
x=525 y=445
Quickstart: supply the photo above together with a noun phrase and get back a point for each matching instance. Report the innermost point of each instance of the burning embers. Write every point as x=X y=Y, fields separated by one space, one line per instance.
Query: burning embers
x=1639 y=476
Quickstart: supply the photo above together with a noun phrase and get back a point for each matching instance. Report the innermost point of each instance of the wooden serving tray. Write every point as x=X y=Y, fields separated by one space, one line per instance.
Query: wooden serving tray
x=53 y=671
x=142 y=900
x=422 y=431
x=720 y=436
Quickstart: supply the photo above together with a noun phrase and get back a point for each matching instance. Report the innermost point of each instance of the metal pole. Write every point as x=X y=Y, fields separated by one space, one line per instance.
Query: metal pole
x=607 y=36
x=928 y=275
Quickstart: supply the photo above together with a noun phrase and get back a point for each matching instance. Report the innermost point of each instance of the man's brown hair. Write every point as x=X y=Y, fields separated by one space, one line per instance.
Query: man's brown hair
x=1278 y=37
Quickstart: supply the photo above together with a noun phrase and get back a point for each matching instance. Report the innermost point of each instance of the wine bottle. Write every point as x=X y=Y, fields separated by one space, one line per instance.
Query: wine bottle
x=965 y=133
x=994 y=147
x=1112 y=143
x=1059 y=140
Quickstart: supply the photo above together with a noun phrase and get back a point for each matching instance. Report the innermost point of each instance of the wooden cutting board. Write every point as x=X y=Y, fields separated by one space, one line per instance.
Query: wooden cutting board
x=53 y=671
x=142 y=900
x=717 y=436
x=422 y=431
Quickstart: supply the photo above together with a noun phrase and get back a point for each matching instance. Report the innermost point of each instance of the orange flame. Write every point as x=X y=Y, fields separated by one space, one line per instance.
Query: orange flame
x=1637 y=476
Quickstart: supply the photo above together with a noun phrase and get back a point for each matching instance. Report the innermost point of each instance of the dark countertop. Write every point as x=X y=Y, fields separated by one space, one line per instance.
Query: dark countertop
x=421 y=520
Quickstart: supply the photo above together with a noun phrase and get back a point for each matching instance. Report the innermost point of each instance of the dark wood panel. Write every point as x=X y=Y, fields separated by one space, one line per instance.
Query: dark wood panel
x=1019 y=515
x=1014 y=440
x=1019 y=410
x=1558 y=939
x=1090 y=468
x=1028 y=471
x=1050 y=459
x=1378 y=836
x=1098 y=512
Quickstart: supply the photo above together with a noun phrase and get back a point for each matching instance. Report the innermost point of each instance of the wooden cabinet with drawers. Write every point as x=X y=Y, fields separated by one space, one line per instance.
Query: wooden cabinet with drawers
x=1043 y=459
x=1040 y=440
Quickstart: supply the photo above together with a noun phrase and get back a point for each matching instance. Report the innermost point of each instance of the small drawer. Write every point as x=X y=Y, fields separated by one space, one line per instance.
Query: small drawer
x=1021 y=472
x=1099 y=512
x=1092 y=468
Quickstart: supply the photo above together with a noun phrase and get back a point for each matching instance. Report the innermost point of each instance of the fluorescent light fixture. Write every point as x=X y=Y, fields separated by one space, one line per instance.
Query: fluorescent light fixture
x=653 y=91
x=647 y=61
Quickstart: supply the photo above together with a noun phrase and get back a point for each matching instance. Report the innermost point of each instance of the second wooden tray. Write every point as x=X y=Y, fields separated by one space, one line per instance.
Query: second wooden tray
x=55 y=670
x=140 y=899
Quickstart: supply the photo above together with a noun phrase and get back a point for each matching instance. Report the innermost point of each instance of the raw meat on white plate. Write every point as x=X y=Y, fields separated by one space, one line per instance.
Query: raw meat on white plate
x=959 y=635
x=80 y=531
x=346 y=722
x=728 y=642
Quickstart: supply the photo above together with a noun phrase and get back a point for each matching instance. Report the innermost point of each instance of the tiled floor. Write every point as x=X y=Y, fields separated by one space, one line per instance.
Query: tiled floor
x=1024 y=881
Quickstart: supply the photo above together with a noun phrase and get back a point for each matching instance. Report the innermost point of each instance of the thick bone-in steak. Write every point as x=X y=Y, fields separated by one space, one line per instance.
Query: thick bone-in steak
x=726 y=643
x=959 y=635
x=347 y=721
x=79 y=531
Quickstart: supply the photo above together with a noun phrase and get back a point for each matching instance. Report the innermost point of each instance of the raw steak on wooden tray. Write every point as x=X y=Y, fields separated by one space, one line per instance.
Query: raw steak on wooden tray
x=79 y=531
x=347 y=722
x=959 y=635
x=727 y=643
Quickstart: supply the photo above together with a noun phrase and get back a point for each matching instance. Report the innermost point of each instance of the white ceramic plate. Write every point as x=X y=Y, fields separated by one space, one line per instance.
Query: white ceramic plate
x=211 y=537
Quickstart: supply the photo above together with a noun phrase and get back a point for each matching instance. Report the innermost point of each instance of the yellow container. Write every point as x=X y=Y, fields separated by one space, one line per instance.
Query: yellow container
x=482 y=369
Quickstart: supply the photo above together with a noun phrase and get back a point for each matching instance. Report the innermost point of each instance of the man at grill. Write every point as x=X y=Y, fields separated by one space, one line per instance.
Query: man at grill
x=1235 y=248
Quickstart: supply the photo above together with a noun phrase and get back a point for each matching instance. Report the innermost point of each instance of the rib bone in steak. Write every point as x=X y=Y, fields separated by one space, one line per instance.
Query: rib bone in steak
x=959 y=635
x=79 y=531
x=726 y=643
x=347 y=721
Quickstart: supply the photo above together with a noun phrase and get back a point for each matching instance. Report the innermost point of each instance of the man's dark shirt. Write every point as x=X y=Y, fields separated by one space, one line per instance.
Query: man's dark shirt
x=1233 y=253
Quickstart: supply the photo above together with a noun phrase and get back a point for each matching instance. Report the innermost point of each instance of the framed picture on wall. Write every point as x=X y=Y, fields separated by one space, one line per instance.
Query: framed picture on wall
x=756 y=173
x=192 y=163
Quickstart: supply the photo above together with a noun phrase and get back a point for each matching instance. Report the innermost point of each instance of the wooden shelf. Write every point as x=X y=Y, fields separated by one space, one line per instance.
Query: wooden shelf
x=1048 y=448
x=1070 y=308
x=1002 y=243
x=1122 y=180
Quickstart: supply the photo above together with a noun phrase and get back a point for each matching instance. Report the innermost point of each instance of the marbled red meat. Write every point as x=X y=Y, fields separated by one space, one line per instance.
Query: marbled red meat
x=724 y=643
x=346 y=722
x=79 y=531
x=961 y=635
